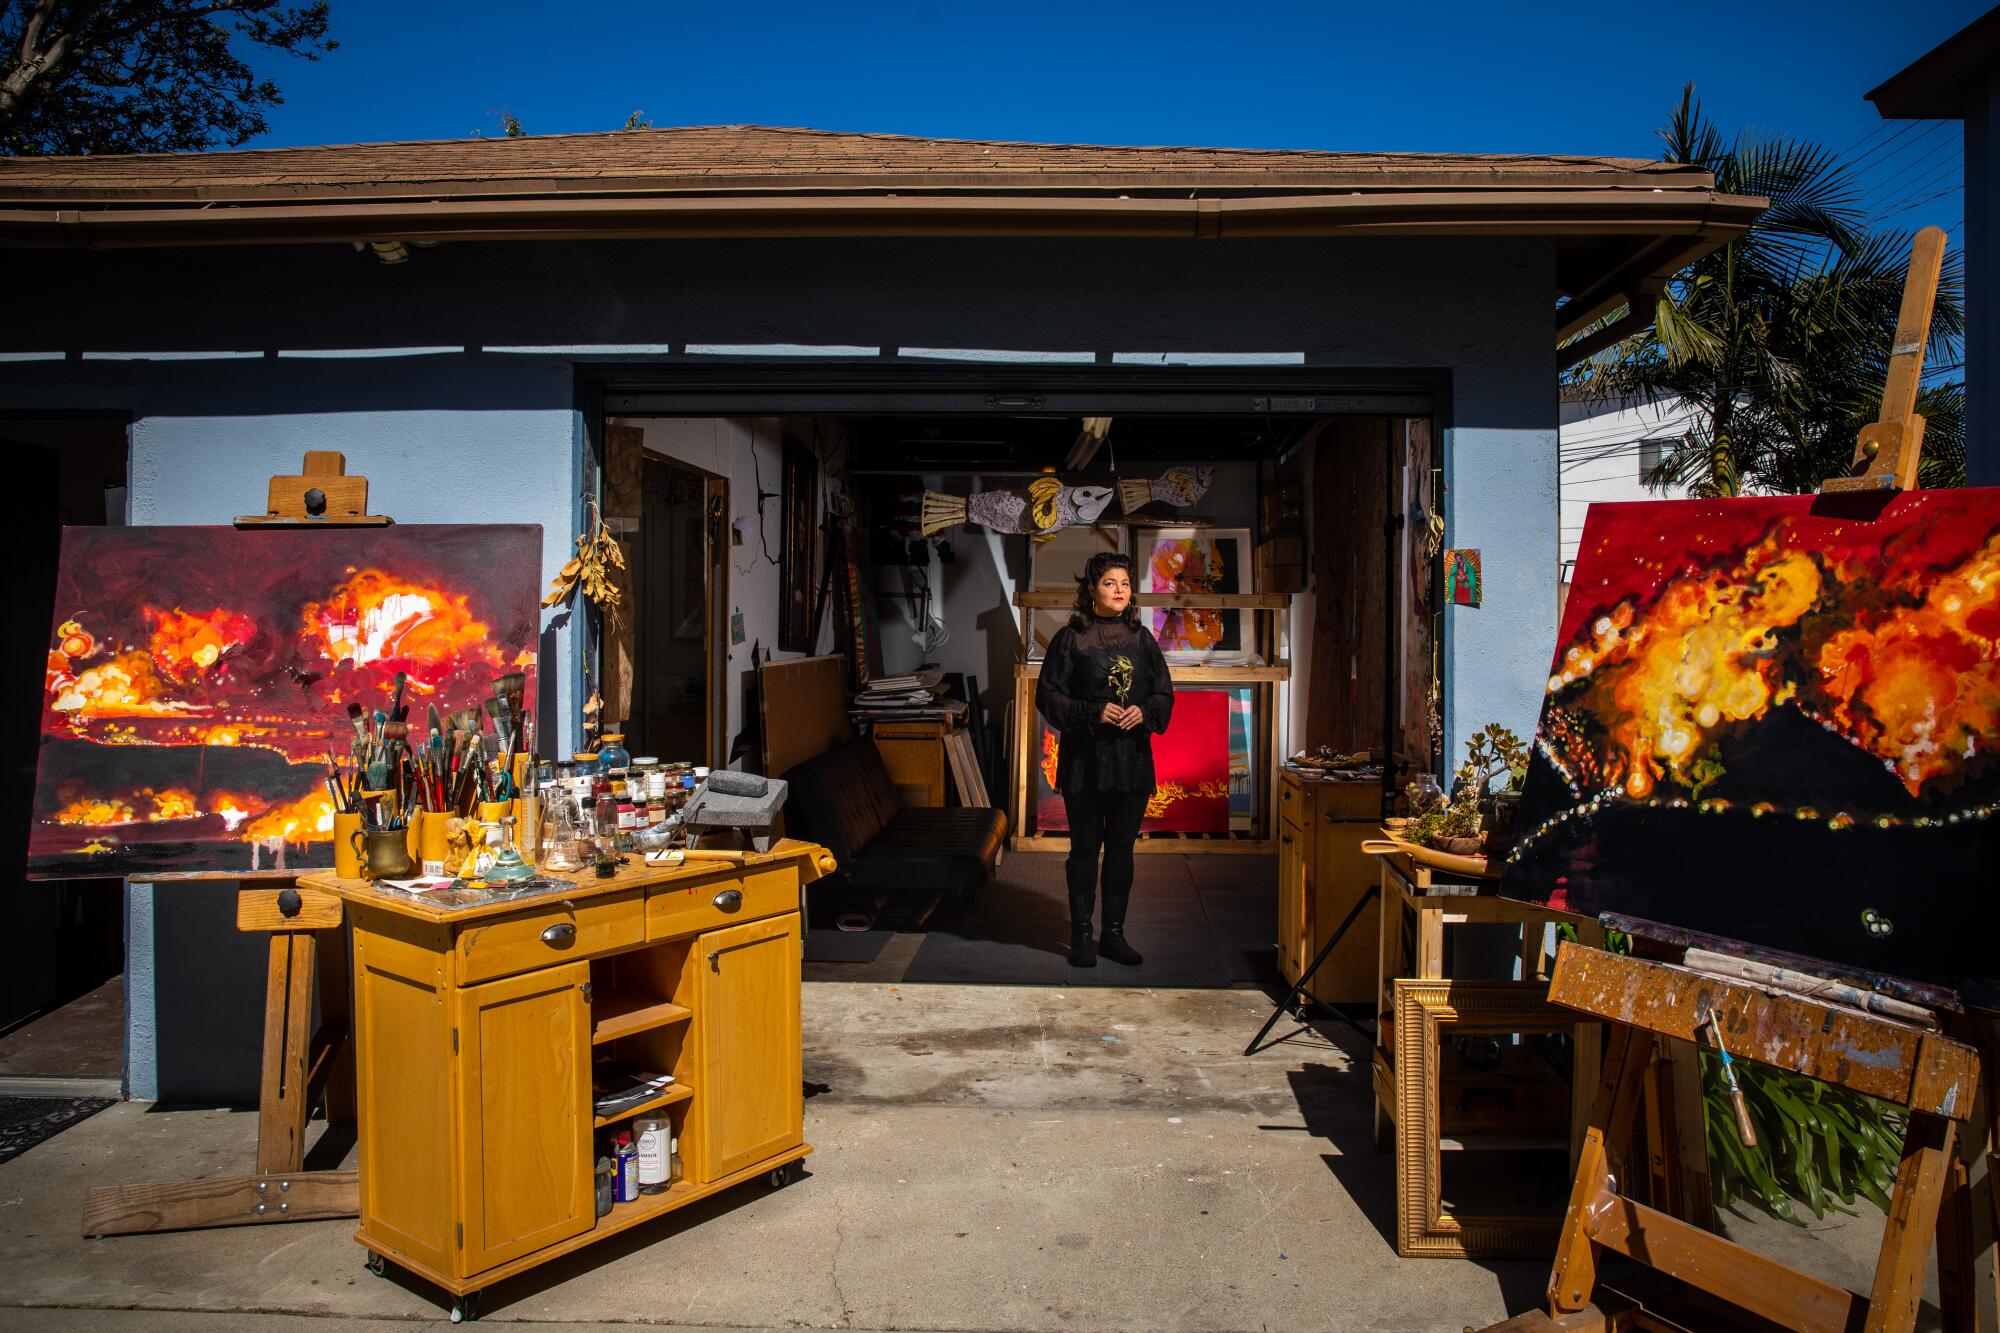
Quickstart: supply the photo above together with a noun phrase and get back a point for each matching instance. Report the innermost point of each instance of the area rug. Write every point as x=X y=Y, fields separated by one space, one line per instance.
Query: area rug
x=27 y=1121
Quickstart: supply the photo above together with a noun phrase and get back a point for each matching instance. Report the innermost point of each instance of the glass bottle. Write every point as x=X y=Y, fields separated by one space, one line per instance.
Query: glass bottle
x=558 y=832
x=615 y=761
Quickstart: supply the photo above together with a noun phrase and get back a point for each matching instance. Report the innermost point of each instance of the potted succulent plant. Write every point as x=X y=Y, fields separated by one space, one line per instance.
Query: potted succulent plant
x=1495 y=767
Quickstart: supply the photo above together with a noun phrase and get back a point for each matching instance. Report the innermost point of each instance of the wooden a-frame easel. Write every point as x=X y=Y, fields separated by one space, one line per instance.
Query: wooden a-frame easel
x=302 y=1068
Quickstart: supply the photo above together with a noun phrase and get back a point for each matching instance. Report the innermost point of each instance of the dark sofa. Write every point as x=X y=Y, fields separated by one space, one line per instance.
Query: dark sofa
x=844 y=800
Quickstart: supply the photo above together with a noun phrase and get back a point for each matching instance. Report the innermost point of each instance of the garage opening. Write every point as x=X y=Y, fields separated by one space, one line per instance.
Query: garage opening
x=790 y=572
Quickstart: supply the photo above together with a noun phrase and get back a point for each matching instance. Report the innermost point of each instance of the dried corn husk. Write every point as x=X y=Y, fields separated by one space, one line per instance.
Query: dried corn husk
x=597 y=554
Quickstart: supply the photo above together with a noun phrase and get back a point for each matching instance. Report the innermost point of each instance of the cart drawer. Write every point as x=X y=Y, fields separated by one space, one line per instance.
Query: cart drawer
x=551 y=932
x=726 y=899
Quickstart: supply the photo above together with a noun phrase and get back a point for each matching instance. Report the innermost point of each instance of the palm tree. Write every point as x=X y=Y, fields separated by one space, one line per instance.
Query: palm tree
x=1780 y=340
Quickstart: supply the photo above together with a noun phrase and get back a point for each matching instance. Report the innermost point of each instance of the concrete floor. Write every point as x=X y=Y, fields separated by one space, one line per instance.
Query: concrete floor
x=987 y=1158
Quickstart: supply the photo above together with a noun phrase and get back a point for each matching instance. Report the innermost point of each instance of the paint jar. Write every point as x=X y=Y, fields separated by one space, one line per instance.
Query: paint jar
x=655 y=1154
x=346 y=860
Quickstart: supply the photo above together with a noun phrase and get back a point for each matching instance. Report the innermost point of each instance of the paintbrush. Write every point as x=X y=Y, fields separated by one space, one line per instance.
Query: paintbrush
x=437 y=724
x=395 y=740
x=396 y=703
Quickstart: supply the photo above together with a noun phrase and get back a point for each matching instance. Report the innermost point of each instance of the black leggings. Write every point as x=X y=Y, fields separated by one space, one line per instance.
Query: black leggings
x=1106 y=821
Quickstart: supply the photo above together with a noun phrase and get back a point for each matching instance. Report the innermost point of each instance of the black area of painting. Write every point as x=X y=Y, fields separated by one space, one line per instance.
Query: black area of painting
x=1790 y=884
x=208 y=997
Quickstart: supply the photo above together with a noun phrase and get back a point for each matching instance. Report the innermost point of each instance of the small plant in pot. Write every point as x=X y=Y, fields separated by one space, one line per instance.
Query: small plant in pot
x=1495 y=767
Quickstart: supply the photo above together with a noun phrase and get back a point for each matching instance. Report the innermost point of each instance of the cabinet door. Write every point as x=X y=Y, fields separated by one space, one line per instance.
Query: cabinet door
x=749 y=1102
x=524 y=1114
x=1291 y=901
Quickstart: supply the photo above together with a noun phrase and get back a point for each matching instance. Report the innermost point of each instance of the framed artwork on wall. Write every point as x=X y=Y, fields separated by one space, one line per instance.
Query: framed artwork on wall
x=1196 y=560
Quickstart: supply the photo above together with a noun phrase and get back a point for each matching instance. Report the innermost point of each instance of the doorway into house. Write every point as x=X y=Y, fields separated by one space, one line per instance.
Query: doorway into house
x=676 y=630
x=1346 y=663
x=62 y=944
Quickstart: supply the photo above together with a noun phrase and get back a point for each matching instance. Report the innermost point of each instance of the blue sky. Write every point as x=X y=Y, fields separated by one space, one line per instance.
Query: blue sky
x=1444 y=77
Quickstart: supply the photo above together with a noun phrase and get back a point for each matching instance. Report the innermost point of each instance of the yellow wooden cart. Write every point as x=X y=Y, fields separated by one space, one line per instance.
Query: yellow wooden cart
x=477 y=1027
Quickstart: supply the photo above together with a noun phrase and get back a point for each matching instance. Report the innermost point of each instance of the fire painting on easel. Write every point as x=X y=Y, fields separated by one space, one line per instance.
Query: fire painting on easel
x=198 y=678
x=1777 y=719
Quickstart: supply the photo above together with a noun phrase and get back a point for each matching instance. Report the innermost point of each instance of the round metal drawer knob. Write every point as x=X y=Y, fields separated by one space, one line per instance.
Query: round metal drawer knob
x=729 y=900
x=561 y=935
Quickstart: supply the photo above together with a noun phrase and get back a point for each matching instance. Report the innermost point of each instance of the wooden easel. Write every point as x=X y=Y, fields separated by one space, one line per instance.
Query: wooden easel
x=308 y=940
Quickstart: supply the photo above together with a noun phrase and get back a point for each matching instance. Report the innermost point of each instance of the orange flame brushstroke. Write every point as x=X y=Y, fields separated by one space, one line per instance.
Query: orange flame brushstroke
x=185 y=644
x=1922 y=686
x=377 y=617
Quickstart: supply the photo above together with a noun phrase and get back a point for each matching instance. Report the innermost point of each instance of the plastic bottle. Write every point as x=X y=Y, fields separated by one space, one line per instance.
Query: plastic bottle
x=607 y=1187
x=628 y=1167
x=655 y=1152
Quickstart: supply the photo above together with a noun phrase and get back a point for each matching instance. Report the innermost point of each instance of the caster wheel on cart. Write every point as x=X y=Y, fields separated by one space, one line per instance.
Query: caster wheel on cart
x=782 y=1176
x=467 y=1308
x=377 y=1264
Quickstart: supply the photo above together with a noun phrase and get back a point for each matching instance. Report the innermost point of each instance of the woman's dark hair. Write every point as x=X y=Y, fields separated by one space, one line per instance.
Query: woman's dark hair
x=1093 y=570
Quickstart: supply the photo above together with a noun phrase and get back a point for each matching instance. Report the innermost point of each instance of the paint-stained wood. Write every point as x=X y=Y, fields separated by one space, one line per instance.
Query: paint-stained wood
x=1845 y=1047
x=1748 y=1281
x=304 y=1196
x=281 y=1099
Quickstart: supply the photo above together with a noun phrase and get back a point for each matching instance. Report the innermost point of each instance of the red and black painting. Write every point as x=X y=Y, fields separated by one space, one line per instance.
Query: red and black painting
x=199 y=678
x=1190 y=770
x=1777 y=719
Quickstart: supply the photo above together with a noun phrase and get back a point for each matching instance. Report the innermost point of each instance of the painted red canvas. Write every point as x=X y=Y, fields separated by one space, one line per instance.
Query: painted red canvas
x=198 y=678
x=1777 y=719
x=1190 y=770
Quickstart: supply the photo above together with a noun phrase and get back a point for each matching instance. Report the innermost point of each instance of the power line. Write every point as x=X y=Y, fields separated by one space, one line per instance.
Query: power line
x=1917 y=163
x=1909 y=126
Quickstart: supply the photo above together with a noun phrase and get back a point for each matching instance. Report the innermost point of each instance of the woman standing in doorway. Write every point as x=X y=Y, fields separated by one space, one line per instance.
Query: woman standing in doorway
x=1104 y=687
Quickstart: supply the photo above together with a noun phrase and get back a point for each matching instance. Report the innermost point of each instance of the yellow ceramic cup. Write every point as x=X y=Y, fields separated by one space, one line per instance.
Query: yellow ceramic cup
x=433 y=840
x=346 y=864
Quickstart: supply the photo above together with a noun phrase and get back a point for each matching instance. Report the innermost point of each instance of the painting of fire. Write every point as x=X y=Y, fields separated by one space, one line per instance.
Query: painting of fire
x=1190 y=770
x=1777 y=719
x=199 y=677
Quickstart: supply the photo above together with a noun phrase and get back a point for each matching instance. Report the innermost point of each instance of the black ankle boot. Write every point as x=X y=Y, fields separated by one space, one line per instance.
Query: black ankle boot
x=1081 y=952
x=1112 y=942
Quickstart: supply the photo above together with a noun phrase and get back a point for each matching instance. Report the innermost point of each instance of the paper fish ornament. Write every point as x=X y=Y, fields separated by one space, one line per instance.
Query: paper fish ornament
x=1048 y=505
x=1177 y=486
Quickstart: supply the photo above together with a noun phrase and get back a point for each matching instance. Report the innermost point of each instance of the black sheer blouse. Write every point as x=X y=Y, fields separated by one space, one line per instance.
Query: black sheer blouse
x=1107 y=661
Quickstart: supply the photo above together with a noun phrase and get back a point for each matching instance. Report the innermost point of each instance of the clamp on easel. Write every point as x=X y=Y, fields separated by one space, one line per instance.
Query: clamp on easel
x=302 y=1068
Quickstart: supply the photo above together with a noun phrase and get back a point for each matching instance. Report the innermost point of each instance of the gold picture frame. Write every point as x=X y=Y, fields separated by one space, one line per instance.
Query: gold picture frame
x=1423 y=1009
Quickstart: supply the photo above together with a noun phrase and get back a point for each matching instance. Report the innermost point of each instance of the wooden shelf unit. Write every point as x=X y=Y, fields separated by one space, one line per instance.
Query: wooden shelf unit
x=1263 y=677
x=477 y=1032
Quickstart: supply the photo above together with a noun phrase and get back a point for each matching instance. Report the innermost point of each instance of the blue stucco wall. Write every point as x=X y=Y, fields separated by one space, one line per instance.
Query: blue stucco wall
x=419 y=395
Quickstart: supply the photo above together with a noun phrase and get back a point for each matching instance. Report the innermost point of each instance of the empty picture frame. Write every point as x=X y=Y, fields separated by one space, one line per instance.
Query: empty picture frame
x=1425 y=1226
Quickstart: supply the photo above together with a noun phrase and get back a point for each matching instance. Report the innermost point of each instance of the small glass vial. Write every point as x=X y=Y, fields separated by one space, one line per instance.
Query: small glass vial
x=674 y=1161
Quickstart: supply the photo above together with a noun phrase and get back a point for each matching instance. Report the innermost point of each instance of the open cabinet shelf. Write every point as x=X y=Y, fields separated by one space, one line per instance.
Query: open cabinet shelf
x=678 y=1092
x=615 y=1014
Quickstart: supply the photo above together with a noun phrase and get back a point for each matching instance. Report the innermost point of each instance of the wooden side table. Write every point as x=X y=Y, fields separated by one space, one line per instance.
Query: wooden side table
x=1418 y=902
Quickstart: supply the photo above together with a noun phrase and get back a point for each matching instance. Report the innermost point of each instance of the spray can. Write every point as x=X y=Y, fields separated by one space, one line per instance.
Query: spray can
x=628 y=1167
